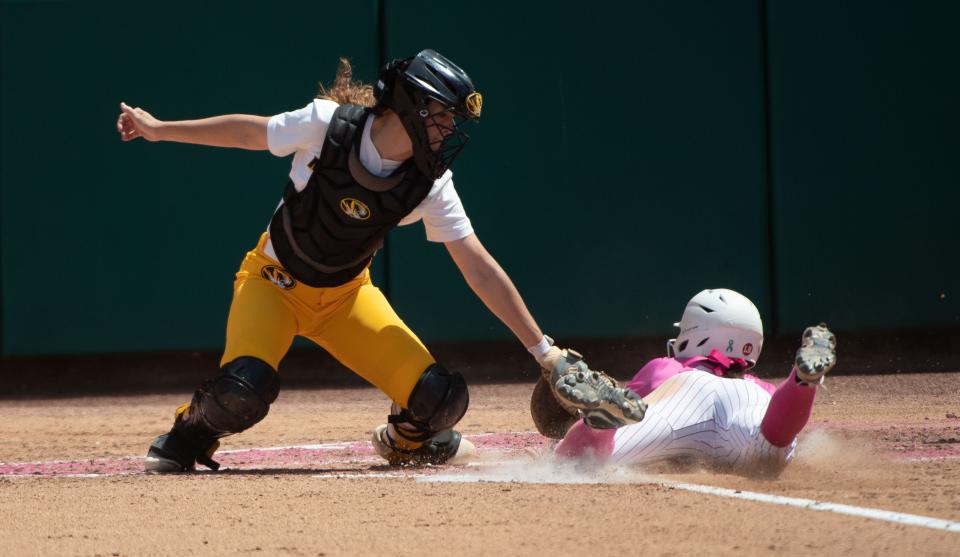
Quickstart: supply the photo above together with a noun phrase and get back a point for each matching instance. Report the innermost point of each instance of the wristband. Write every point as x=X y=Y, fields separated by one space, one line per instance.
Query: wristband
x=540 y=349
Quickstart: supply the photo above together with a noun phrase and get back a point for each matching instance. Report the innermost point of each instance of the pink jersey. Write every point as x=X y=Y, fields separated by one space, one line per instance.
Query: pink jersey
x=659 y=370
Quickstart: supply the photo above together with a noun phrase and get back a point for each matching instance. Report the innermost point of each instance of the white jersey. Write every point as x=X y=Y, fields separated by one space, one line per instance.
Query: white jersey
x=302 y=132
x=697 y=415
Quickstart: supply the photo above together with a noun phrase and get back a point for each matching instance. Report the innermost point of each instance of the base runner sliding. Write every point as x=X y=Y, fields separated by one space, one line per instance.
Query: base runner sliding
x=701 y=405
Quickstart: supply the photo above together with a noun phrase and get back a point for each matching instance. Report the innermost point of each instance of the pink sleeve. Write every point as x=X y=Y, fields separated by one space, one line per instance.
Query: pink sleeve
x=654 y=374
x=582 y=440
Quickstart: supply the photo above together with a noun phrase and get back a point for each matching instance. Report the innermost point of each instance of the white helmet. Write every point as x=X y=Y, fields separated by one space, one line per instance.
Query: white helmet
x=719 y=319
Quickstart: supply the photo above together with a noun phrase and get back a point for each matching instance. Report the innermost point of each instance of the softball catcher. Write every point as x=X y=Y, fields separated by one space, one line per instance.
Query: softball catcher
x=365 y=160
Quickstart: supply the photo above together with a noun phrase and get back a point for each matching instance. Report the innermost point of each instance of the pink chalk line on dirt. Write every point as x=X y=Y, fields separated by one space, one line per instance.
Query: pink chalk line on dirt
x=355 y=458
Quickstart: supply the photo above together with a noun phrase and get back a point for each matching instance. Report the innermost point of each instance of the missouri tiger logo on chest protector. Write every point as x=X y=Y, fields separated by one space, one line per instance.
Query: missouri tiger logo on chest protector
x=325 y=234
x=354 y=208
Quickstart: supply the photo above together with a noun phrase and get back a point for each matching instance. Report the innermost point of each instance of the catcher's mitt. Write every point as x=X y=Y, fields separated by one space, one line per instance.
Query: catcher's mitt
x=549 y=415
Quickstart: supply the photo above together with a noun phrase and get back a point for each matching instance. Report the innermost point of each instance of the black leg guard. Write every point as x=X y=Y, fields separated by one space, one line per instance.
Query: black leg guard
x=438 y=401
x=233 y=401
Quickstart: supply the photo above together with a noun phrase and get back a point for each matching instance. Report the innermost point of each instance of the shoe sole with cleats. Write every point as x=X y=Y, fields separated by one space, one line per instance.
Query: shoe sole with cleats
x=817 y=353
x=603 y=404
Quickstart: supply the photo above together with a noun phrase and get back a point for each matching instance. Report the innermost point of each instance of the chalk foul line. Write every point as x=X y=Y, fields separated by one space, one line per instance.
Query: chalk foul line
x=809 y=504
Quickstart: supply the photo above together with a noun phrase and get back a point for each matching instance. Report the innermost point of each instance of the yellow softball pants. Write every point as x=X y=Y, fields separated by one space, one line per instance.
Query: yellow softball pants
x=353 y=322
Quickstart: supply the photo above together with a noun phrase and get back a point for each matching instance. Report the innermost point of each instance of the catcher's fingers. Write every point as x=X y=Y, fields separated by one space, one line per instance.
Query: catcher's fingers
x=124 y=124
x=127 y=118
x=133 y=115
x=126 y=128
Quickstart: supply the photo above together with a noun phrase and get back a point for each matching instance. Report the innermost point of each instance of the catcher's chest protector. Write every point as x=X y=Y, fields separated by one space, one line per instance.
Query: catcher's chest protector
x=327 y=233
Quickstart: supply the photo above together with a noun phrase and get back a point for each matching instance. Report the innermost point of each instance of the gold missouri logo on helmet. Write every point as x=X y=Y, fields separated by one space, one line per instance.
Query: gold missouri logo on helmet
x=474 y=104
x=354 y=208
x=278 y=276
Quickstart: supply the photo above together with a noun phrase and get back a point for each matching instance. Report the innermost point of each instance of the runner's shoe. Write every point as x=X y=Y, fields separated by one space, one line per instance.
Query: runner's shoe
x=602 y=403
x=446 y=447
x=817 y=354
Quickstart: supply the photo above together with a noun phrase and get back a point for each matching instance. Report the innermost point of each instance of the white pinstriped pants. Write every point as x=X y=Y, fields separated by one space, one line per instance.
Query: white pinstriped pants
x=697 y=415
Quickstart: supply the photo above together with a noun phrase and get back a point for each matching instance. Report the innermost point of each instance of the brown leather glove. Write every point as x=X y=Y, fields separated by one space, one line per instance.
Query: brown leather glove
x=551 y=417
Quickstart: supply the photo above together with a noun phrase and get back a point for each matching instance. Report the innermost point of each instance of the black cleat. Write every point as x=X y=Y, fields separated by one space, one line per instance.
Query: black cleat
x=169 y=453
x=446 y=447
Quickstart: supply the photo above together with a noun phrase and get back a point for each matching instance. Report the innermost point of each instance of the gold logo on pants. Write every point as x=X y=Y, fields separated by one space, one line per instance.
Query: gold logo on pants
x=278 y=276
x=354 y=208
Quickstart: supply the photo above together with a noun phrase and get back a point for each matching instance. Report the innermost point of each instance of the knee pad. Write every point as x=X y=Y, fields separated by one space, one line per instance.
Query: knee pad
x=437 y=402
x=236 y=399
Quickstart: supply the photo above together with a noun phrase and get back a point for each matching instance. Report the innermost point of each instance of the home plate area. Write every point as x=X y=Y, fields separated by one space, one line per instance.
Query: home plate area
x=346 y=459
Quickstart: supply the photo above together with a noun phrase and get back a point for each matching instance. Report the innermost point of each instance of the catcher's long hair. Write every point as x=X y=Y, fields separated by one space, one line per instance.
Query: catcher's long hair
x=345 y=90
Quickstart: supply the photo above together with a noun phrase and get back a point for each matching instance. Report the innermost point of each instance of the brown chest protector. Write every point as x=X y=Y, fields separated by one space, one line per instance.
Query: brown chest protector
x=327 y=233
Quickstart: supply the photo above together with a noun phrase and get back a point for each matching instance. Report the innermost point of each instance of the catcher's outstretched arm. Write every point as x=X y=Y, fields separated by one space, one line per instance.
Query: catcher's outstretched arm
x=240 y=131
x=492 y=285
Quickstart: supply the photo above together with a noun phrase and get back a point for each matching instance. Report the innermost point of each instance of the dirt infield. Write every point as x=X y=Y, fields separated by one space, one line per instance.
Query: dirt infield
x=67 y=486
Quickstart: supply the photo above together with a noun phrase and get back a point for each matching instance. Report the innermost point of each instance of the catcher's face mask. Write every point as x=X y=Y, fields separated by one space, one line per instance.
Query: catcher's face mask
x=433 y=98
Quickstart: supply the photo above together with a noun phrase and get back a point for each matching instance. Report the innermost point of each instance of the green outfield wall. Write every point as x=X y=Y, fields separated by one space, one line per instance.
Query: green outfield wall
x=127 y=247
x=866 y=182
x=628 y=156
x=616 y=146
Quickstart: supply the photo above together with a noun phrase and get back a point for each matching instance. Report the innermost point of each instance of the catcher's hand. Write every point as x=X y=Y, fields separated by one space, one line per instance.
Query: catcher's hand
x=137 y=122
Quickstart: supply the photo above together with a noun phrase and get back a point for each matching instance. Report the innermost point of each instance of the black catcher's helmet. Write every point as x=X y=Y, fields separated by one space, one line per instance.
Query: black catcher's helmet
x=407 y=86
